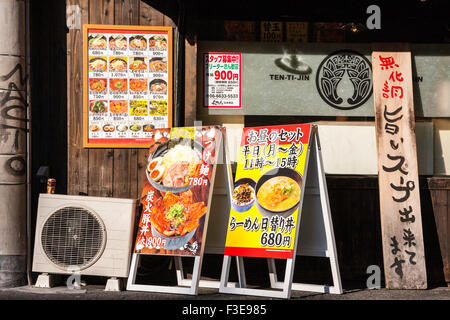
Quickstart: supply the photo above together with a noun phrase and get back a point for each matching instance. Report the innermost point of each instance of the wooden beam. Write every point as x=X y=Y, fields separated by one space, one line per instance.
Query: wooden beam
x=78 y=157
x=101 y=161
x=125 y=164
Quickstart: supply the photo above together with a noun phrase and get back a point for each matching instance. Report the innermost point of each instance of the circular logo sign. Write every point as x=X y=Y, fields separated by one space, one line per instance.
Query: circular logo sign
x=344 y=79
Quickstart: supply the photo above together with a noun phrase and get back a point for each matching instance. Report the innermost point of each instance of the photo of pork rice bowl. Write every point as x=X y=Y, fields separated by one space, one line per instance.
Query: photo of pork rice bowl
x=173 y=163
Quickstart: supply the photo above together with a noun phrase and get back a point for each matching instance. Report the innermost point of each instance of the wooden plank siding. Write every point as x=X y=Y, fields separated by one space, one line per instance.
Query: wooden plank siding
x=115 y=173
x=78 y=158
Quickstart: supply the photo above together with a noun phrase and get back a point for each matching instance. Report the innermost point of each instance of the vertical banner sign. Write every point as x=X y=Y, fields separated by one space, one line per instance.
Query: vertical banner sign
x=266 y=195
x=401 y=222
x=222 y=80
x=127 y=84
x=177 y=191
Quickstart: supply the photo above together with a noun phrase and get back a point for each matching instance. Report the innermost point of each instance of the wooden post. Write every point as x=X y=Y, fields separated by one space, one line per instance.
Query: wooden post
x=13 y=144
x=401 y=221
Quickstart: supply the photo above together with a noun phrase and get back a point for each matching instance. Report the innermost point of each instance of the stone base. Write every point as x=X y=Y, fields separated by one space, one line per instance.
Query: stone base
x=113 y=284
x=45 y=280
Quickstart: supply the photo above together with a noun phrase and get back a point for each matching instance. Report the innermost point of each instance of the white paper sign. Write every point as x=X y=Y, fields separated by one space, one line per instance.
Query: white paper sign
x=222 y=80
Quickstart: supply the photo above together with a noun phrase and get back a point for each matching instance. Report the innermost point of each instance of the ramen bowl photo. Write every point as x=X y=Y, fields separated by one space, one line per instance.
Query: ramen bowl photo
x=278 y=192
x=173 y=163
x=243 y=197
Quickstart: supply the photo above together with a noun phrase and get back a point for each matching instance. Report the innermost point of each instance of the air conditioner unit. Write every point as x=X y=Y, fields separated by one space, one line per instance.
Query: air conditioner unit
x=86 y=235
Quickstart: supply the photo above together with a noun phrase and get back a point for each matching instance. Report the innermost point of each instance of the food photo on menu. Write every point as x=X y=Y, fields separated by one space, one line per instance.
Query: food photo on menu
x=138 y=63
x=118 y=64
x=118 y=85
x=176 y=191
x=138 y=42
x=97 y=41
x=98 y=64
x=158 y=86
x=158 y=42
x=138 y=85
x=98 y=85
x=158 y=64
x=118 y=42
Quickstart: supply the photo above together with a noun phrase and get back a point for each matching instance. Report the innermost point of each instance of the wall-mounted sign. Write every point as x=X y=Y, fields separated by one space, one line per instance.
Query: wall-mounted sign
x=222 y=80
x=177 y=190
x=328 y=31
x=400 y=210
x=240 y=30
x=267 y=189
x=297 y=31
x=127 y=84
x=328 y=79
x=271 y=31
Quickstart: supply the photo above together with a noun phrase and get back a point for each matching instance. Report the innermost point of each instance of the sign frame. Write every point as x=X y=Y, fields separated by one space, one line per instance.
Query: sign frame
x=86 y=28
x=297 y=94
x=186 y=286
x=315 y=171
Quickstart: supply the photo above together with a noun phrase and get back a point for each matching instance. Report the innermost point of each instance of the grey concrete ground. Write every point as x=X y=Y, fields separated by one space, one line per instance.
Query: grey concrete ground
x=93 y=301
x=92 y=292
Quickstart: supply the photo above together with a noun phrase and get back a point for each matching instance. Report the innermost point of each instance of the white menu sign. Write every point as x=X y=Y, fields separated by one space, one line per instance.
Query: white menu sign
x=222 y=80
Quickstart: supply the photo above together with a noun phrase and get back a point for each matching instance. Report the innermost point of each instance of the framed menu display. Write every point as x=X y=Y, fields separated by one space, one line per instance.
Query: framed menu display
x=127 y=84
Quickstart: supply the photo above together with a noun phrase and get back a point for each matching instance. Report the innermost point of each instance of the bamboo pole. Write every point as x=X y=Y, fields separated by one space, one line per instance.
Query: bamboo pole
x=13 y=144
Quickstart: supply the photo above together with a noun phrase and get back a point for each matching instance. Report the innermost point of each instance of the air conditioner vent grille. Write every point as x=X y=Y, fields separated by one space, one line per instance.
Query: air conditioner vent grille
x=73 y=237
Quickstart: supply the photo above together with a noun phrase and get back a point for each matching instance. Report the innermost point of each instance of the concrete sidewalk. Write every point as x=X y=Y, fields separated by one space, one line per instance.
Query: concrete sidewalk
x=95 y=292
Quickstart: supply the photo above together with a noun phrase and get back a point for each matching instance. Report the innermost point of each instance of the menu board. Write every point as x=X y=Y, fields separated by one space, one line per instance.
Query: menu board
x=267 y=191
x=127 y=84
x=177 y=190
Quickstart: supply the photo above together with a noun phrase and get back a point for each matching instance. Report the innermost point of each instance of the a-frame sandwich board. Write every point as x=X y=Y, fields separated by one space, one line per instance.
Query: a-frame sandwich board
x=314 y=237
x=184 y=286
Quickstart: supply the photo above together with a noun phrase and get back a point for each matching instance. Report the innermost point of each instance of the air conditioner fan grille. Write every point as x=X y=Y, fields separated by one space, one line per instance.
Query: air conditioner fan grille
x=74 y=237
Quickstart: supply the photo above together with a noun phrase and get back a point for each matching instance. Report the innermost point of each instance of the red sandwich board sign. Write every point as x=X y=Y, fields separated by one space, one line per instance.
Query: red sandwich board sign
x=176 y=200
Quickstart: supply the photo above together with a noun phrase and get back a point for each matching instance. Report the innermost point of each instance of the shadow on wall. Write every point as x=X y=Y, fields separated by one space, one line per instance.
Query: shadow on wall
x=441 y=146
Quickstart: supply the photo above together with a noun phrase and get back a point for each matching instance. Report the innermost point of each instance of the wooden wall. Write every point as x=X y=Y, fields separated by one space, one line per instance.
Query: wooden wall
x=103 y=172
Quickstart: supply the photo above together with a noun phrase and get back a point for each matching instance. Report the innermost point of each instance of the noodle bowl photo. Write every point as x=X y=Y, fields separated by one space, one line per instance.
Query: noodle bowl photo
x=278 y=192
x=173 y=163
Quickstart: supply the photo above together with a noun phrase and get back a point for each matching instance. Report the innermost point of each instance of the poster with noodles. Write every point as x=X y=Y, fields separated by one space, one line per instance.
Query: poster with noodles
x=177 y=190
x=127 y=84
x=267 y=191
